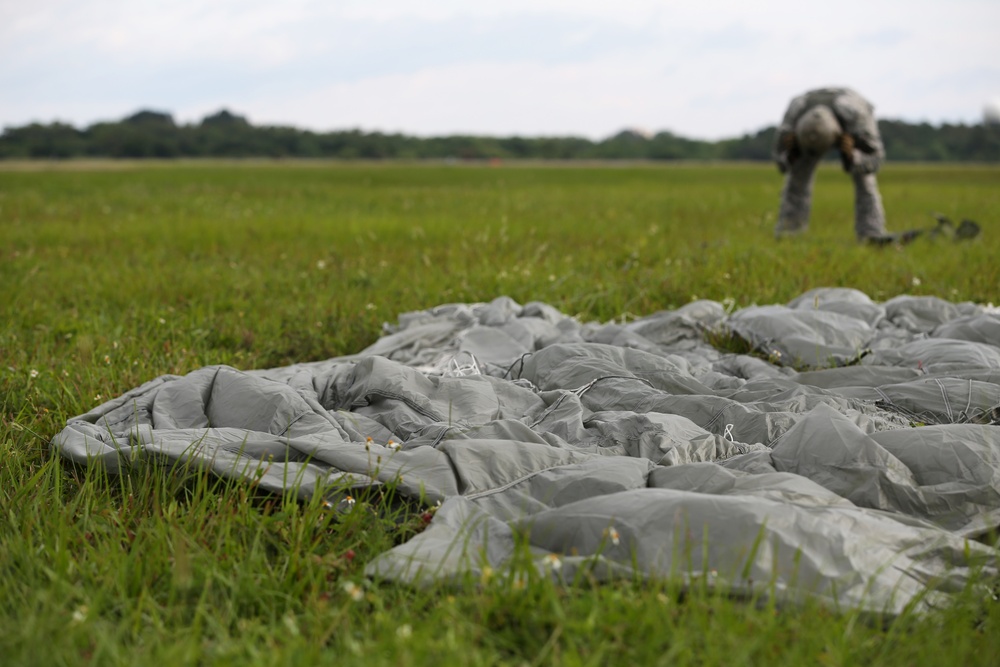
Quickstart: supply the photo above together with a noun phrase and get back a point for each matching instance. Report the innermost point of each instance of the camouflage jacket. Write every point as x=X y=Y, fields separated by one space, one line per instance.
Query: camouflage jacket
x=855 y=114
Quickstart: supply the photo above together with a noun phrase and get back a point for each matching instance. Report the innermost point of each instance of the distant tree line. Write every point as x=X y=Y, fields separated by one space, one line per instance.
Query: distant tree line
x=152 y=134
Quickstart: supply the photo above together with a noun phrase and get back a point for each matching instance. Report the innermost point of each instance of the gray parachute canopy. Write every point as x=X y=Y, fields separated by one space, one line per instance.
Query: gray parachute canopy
x=853 y=458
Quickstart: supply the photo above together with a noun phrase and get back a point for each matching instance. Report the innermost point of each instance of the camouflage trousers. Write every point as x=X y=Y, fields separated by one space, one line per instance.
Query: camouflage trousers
x=796 y=201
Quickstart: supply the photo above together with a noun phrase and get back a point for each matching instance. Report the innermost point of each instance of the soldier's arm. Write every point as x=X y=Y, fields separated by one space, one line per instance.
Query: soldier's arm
x=865 y=152
x=786 y=149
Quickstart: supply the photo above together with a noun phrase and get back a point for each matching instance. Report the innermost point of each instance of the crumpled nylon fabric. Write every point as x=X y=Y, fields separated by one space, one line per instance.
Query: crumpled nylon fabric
x=853 y=458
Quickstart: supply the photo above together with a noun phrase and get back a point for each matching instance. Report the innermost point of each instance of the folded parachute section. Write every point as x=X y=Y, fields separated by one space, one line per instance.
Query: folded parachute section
x=854 y=457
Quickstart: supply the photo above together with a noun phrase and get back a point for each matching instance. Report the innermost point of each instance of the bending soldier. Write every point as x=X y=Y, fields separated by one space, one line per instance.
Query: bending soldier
x=814 y=123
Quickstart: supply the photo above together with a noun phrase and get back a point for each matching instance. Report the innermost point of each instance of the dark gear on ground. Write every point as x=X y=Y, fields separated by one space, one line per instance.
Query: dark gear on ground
x=815 y=122
x=966 y=230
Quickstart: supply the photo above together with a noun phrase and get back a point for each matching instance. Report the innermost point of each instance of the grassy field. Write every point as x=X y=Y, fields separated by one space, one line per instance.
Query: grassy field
x=115 y=273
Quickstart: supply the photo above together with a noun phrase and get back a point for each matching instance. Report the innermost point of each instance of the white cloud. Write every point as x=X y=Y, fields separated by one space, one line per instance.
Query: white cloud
x=711 y=69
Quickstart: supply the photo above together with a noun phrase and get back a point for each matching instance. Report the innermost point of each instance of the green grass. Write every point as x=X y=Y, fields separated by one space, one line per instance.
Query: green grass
x=115 y=273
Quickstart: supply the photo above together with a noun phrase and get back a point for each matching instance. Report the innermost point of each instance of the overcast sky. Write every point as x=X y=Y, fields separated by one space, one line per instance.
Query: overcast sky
x=699 y=68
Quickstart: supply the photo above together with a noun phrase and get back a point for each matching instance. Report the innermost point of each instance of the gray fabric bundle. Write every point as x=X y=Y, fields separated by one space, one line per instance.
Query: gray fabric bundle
x=854 y=459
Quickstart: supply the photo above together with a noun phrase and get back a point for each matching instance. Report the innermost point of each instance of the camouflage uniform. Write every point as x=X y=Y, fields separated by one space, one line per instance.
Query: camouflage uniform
x=861 y=153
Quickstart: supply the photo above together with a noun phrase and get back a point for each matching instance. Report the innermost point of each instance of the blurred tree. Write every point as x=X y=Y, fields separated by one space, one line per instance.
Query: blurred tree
x=155 y=134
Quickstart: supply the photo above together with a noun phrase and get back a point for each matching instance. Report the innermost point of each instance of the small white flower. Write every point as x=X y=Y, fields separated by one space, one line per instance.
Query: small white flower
x=553 y=562
x=321 y=264
x=354 y=646
x=612 y=534
x=65 y=374
x=404 y=631
x=291 y=625
x=162 y=321
x=349 y=501
x=33 y=373
x=107 y=359
x=354 y=591
x=393 y=445
x=370 y=306
x=98 y=398
x=80 y=614
x=916 y=281
x=114 y=344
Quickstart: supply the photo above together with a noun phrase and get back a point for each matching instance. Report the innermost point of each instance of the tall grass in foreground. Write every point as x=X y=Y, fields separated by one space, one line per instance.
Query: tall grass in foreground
x=114 y=275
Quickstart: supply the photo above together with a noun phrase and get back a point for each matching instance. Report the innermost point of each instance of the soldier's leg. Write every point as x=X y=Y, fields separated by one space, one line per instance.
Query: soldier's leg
x=869 y=216
x=796 y=197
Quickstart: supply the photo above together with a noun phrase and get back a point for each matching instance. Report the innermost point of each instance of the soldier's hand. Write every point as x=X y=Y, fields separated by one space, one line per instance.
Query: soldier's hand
x=788 y=142
x=846 y=146
x=846 y=143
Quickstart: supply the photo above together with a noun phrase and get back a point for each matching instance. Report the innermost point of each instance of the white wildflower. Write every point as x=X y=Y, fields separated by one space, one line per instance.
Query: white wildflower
x=321 y=264
x=553 y=562
x=80 y=614
x=404 y=631
x=612 y=534
x=354 y=591
x=291 y=625
x=33 y=373
x=916 y=281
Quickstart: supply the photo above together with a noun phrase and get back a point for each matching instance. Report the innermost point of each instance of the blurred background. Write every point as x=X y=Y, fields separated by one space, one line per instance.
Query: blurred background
x=705 y=71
